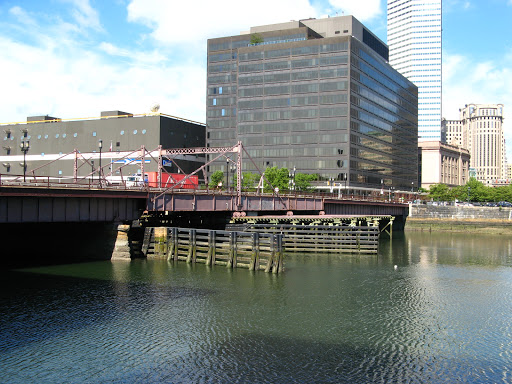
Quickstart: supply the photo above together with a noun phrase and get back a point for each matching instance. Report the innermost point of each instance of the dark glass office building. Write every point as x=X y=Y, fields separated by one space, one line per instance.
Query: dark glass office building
x=317 y=95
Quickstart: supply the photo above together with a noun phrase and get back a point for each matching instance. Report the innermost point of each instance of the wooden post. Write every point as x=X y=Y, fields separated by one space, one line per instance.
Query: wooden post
x=255 y=255
x=211 y=247
x=176 y=243
x=235 y=248
x=189 y=255
x=272 y=254
x=148 y=231
x=193 y=238
x=230 y=252
x=280 y=254
x=214 y=245
x=171 y=240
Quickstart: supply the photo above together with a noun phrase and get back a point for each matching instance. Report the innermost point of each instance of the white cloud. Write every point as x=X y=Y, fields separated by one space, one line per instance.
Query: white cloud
x=85 y=15
x=180 y=23
x=365 y=10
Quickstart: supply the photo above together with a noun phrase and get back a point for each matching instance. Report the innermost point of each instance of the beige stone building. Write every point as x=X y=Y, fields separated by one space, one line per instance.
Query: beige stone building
x=443 y=163
x=480 y=130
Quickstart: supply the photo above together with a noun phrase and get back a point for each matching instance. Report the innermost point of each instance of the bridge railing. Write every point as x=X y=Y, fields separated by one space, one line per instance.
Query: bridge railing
x=95 y=184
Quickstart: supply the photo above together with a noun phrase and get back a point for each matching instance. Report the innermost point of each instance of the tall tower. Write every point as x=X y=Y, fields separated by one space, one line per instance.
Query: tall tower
x=415 y=41
x=483 y=126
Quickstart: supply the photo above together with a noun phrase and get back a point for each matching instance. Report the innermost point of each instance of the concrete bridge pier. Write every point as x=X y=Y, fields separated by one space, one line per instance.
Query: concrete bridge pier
x=128 y=242
x=122 y=244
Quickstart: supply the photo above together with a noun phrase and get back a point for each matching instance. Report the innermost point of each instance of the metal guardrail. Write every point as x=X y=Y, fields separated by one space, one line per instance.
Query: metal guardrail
x=49 y=182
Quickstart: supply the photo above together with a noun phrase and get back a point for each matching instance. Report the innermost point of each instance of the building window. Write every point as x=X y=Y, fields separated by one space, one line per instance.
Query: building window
x=134 y=131
x=75 y=135
x=122 y=133
x=94 y=134
x=143 y=131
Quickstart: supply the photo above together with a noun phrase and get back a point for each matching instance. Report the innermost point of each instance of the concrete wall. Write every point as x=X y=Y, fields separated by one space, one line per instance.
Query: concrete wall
x=459 y=213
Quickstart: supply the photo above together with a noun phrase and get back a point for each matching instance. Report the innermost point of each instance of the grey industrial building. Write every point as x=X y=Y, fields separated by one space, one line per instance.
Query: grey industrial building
x=317 y=95
x=51 y=137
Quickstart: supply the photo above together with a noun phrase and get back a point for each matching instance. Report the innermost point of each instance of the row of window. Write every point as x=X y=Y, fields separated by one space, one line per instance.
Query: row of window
x=293 y=114
x=293 y=76
x=64 y=135
x=295 y=126
x=296 y=152
x=296 y=51
x=292 y=64
x=260 y=140
x=293 y=101
x=312 y=87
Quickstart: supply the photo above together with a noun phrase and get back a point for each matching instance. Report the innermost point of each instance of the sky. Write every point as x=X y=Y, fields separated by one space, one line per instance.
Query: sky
x=76 y=58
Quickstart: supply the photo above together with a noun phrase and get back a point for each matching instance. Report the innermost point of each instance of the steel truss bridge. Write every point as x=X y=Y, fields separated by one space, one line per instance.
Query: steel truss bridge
x=33 y=198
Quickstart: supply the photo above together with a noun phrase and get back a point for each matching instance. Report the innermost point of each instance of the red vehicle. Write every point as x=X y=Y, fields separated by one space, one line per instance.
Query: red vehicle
x=171 y=179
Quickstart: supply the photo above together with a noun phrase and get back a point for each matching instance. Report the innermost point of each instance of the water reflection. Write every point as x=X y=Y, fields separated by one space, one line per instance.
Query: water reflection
x=443 y=315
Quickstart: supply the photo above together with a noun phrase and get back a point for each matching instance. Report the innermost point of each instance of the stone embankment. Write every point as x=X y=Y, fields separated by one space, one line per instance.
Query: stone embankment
x=496 y=220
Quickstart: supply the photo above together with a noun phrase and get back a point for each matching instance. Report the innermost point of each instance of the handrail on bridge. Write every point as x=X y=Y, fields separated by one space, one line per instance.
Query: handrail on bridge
x=48 y=182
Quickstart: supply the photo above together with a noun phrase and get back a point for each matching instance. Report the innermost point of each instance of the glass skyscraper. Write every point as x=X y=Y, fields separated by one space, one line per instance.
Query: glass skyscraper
x=415 y=42
x=317 y=95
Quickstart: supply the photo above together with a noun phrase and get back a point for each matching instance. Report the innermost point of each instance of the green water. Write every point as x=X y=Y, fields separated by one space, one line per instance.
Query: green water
x=443 y=315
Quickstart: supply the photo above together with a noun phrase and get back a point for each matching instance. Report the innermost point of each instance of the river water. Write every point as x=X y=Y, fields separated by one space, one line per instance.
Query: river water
x=444 y=315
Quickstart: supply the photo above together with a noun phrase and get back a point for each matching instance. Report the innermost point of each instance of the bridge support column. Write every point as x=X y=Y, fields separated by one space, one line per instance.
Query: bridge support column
x=122 y=245
x=161 y=242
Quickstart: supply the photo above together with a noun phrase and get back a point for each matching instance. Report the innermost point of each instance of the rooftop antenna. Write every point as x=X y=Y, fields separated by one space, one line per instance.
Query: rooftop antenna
x=155 y=107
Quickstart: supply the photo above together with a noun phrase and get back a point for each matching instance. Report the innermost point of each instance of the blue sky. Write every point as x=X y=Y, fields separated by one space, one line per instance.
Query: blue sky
x=76 y=58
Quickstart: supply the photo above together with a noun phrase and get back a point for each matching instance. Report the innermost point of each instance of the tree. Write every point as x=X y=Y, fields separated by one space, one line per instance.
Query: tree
x=439 y=192
x=216 y=178
x=303 y=181
x=256 y=38
x=277 y=177
x=249 y=180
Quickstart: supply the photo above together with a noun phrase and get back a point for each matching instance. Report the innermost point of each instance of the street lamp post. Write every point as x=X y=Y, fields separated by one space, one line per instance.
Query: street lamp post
x=291 y=179
x=100 y=146
x=24 y=146
x=227 y=175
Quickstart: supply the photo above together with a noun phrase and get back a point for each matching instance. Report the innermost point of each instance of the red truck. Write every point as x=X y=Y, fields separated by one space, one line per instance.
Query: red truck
x=171 y=179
